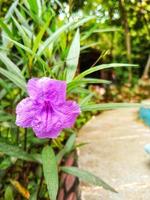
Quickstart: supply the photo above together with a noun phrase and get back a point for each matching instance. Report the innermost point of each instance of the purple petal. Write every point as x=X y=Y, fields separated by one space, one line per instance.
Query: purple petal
x=33 y=88
x=25 y=110
x=47 y=89
x=47 y=123
x=70 y=111
x=50 y=121
x=53 y=90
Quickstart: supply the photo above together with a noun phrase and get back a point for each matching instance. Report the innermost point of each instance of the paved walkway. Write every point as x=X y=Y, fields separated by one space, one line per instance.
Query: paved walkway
x=116 y=154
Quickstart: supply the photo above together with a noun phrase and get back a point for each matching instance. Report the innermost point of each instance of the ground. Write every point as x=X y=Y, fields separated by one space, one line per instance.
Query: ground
x=116 y=154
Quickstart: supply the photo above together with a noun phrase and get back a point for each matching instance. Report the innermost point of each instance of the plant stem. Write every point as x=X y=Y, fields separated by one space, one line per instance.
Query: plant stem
x=40 y=186
x=25 y=139
x=17 y=136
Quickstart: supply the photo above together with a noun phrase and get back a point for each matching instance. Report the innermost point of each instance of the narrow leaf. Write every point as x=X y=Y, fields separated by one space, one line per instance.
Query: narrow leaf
x=67 y=148
x=8 y=193
x=113 y=29
x=15 y=79
x=89 y=45
x=87 y=177
x=78 y=83
x=10 y=65
x=108 y=106
x=20 y=45
x=86 y=99
x=103 y=66
x=5 y=28
x=40 y=35
x=50 y=171
x=11 y=10
x=25 y=38
x=15 y=151
x=22 y=20
x=53 y=37
x=73 y=57
x=33 y=6
x=82 y=21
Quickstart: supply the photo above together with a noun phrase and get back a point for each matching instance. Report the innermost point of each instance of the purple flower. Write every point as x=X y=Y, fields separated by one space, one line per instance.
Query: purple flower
x=46 y=110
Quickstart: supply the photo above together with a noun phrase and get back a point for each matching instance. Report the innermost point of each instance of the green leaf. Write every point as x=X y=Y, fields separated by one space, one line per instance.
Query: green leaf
x=11 y=10
x=87 y=177
x=5 y=116
x=70 y=143
x=5 y=28
x=72 y=25
x=103 y=66
x=67 y=148
x=53 y=37
x=89 y=45
x=40 y=35
x=5 y=164
x=33 y=6
x=15 y=151
x=86 y=99
x=11 y=66
x=28 y=50
x=113 y=29
x=78 y=83
x=23 y=21
x=25 y=38
x=8 y=193
x=82 y=21
x=20 y=45
x=15 y=79
x=50 y=171
x=108 y=106
x=38 y=39
x=73 y=57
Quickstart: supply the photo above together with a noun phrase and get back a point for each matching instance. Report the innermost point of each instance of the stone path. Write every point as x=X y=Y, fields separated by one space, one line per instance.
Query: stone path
x=116 y=154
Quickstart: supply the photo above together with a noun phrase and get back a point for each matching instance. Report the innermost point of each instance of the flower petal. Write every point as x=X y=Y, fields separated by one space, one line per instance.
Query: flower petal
x=33 y=88
x=70 y=111
x=47 y=124
x=25 y=110
x=53 y=90
x=46 y=89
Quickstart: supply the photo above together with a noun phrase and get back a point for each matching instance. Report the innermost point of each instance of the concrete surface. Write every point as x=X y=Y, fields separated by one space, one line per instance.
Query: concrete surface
x=116 y=154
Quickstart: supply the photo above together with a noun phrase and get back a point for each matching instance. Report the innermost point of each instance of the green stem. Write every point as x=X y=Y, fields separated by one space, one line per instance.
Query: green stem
x=25 y=140
x=40 y=186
